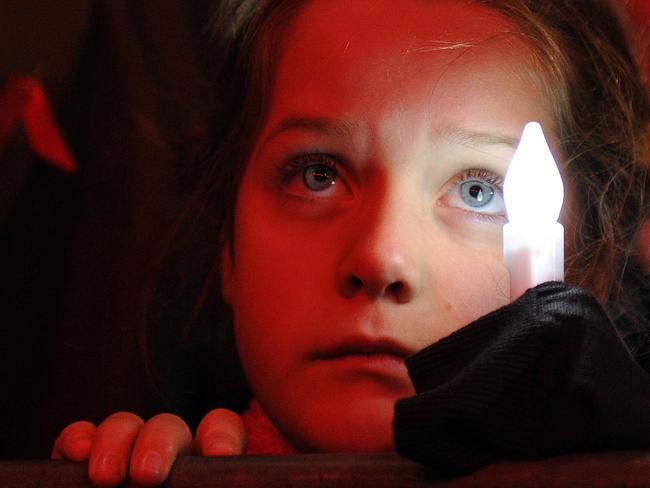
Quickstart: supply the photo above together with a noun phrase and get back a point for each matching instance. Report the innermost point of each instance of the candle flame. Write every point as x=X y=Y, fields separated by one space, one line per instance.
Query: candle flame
x=533 y=190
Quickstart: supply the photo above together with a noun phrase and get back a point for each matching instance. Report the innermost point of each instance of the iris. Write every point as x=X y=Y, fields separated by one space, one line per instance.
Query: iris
x=476 y=193
x=319 y=177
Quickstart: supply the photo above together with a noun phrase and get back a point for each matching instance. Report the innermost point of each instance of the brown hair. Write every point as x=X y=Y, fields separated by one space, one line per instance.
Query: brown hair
x=603 y=116
x=601 y=109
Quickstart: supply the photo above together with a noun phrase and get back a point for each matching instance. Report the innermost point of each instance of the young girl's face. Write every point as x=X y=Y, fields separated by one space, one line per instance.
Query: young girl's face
x=369 y=219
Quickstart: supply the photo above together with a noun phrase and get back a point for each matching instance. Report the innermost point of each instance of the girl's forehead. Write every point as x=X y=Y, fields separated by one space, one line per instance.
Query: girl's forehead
x=406 y=24
x=377 y=57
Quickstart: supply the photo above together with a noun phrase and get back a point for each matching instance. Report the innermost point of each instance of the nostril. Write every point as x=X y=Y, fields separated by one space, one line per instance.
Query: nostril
x=400 y=291
x=396 y=288
x=355 y=282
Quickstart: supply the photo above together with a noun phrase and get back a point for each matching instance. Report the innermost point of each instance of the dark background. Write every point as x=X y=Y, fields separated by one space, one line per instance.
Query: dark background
x=128 y=81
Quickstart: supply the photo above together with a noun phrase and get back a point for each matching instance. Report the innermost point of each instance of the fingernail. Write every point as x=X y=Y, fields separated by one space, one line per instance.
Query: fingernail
x=221 y=450
x=108 y=467
x=224 y=446
x=151 y=462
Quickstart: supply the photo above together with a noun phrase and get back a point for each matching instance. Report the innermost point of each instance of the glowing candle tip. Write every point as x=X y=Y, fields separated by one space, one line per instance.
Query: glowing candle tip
x=533 y=189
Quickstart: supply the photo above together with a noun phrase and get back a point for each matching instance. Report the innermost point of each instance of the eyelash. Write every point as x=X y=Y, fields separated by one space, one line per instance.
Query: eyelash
x=489 y=177
x=480 y=174
x=296 y=165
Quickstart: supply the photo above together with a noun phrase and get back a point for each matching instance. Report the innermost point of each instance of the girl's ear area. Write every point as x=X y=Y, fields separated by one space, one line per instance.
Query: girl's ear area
x=227 y=274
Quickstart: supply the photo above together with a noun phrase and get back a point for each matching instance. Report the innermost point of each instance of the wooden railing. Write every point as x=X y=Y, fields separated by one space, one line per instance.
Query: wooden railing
x=629 y=469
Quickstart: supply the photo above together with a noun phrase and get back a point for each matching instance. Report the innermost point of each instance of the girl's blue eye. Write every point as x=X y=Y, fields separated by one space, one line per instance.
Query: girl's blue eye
x=476 y=193
x=318 y=177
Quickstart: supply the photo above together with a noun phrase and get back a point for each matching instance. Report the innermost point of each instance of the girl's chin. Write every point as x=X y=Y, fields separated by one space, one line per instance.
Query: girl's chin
x=328 y=443
x=340 y=426
x=378 y=441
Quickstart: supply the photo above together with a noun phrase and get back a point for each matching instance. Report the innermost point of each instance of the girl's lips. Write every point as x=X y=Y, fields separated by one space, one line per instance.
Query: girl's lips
x=364 y=347
x=383 y=358
x=375 y=359
x=386 y=368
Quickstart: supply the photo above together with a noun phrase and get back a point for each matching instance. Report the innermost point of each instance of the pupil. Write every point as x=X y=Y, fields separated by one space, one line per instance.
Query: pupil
x=476 y=193
x=319 y=178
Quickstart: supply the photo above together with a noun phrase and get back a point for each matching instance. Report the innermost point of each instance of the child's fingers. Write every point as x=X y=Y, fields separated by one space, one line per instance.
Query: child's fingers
x=74 y=442
x=57 y=453
x=221 y=433
x=161 y=439
x=111 y=448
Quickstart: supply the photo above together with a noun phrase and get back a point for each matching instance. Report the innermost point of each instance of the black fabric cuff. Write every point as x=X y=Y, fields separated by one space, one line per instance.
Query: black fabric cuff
x=545 y=375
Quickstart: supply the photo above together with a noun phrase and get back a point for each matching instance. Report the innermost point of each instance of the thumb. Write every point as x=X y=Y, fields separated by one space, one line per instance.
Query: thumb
x=220 y=433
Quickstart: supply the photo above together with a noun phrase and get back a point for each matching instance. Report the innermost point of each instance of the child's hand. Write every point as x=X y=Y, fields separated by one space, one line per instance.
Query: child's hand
x=147 y=449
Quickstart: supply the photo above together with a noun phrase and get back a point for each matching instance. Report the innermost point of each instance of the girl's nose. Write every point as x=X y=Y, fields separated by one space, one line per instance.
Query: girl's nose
x=381 y=259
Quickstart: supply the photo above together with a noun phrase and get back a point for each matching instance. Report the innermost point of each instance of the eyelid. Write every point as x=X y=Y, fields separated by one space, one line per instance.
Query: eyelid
x=299 y=162
x=482 y=174
x=487 y=176
x=295 y=165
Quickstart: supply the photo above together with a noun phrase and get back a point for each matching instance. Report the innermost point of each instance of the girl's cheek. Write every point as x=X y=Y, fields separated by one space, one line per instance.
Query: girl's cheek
x=478 y=281
x=477 y=287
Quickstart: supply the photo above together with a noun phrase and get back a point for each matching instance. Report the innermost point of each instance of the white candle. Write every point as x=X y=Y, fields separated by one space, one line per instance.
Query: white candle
x=533 y=240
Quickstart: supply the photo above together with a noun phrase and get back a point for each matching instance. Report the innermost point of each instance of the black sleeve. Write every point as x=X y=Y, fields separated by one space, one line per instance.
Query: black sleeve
x=545 y=375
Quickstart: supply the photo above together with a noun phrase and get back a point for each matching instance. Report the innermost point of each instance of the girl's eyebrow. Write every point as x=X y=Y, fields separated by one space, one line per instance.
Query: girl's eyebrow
x=335 y=127
x=344 y=128
x=465 y=137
